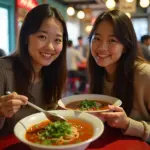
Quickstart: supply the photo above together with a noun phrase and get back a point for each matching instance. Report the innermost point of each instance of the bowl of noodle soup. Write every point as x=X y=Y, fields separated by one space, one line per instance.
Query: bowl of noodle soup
x=76 y=133
x=91 y=103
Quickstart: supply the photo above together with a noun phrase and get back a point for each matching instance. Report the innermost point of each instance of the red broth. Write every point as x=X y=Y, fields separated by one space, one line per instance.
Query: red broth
x=84 y=128
x=75 y=105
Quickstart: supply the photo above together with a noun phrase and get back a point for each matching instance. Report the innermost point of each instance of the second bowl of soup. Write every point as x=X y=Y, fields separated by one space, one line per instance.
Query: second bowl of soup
x=91 y=103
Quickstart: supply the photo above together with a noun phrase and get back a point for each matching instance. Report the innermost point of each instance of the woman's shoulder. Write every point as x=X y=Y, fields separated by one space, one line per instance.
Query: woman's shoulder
x=6 y=62
x=142 y=71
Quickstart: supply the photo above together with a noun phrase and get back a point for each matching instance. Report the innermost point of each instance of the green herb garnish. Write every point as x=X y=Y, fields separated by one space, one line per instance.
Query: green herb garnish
x=55 y=130
x=88 y=104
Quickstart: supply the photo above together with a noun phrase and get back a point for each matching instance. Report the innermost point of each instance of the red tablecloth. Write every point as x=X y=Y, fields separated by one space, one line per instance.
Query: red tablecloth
x=111 y=139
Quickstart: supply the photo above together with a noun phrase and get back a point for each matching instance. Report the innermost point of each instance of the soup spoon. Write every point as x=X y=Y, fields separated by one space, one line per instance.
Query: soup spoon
x=50 y=115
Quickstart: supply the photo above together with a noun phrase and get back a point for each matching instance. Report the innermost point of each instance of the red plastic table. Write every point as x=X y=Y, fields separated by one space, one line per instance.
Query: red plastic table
x=111 y=139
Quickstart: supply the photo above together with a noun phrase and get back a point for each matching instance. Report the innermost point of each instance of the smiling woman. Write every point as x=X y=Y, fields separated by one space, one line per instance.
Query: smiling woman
x=106 y=48
x=116 y=69
x=46 y=44
x=32 y=71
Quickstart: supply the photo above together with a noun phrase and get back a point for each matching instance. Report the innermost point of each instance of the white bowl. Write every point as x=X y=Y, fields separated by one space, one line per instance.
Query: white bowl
x=27 y=122
x=103 y=98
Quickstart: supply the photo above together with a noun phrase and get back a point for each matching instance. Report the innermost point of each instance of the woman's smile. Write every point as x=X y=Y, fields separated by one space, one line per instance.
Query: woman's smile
x=103 y=56
x=46 y=55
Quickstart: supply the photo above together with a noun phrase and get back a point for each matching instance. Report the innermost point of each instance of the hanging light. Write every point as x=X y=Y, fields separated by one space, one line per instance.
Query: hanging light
x=80 y=14
x=129 y=1
x=70 y=11
x=110 y=4
x=88 y=28
x=128 y=14
x=144 y=3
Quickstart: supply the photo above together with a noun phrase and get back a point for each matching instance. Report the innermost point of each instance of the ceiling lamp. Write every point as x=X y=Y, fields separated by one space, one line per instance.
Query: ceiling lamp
x=144 y=3
x=80 y=14
x=88 y=28
x=128 y=14
x=70 y=11
x=129 y=1
x=110 y=4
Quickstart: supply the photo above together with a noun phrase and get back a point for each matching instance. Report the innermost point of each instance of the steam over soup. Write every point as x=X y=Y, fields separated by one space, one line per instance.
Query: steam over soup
x=88 y=105
x=60 y=132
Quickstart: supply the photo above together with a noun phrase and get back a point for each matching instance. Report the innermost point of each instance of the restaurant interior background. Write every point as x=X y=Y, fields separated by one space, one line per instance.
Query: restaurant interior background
x=79 y=15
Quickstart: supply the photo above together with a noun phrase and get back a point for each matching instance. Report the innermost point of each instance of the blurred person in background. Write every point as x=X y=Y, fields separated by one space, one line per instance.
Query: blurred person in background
x=72 y=60
x=145 y=43
x=115 y=69
x=82 y=48
x=2 y=53
x=32 y=73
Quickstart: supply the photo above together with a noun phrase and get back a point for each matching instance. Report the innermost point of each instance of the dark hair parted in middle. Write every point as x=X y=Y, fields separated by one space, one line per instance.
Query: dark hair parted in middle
x=53 y=75
x=124 y=75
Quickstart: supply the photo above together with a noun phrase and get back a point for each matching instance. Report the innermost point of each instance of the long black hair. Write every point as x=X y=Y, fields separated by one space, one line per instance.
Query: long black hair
x=123 y=87
x=54 y=75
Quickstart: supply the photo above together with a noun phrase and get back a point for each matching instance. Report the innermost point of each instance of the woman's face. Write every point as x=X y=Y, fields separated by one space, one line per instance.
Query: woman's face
x=105 y=47
x=45 y=45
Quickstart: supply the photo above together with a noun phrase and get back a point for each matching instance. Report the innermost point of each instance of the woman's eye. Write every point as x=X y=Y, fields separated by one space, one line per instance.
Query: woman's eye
x=96 y=38
x=42 y=37
x=58 y=40
x=112 y=40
